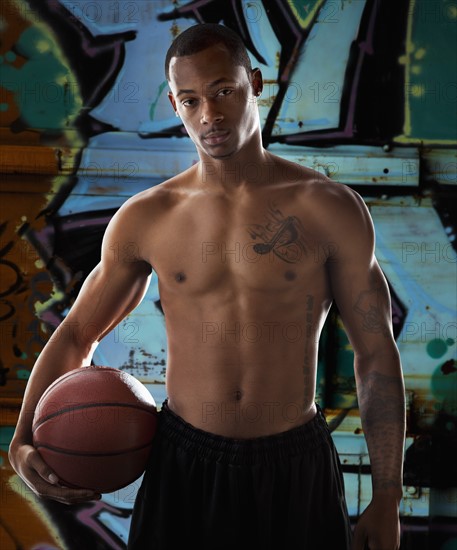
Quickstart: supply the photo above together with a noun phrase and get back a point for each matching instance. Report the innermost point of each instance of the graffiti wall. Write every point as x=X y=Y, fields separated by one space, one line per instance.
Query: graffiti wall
x=364 y=91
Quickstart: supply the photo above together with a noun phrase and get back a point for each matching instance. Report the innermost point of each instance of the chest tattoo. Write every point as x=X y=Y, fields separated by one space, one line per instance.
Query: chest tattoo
x=282 y=236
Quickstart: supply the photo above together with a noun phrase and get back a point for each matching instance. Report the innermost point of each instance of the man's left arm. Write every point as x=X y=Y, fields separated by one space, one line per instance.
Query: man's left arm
x=363 y=300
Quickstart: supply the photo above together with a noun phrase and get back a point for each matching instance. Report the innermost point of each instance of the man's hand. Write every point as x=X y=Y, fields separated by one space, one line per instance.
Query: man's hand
x=27 y=462
x=378 y=527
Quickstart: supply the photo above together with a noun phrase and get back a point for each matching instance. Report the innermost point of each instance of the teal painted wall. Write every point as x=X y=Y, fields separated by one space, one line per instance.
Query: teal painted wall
x=359 y=90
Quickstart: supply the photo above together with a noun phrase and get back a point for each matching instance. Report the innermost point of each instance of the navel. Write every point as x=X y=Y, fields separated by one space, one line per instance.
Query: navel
x=238 y=394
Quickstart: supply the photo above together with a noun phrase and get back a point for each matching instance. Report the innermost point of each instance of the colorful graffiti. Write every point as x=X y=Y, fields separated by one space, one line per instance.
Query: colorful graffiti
x=360 y=90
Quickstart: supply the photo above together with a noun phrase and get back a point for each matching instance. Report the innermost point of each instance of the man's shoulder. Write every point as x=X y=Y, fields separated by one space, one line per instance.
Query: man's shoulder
x=314 y=186
x=329 y=203
x=159 y=198
x=307 y=179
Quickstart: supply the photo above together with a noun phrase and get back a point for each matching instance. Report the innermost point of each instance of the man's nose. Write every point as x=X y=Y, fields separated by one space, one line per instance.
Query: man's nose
x=210 y=113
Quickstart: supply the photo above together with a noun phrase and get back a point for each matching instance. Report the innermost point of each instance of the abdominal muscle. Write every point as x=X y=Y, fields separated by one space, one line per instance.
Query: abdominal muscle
x=242 y=391
x=242 y=344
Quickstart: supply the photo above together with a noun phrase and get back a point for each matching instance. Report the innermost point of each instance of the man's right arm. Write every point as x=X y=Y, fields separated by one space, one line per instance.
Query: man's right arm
x=113 y=289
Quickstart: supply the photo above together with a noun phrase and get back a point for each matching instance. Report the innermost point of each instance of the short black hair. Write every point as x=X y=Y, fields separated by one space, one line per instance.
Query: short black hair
x=202 y=36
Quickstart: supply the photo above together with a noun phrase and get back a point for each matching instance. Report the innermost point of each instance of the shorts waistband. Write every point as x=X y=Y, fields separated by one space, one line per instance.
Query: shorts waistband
x=297 y=440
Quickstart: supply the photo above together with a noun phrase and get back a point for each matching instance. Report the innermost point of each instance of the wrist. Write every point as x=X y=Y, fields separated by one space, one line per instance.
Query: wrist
x=388 y=496
x=20 y=439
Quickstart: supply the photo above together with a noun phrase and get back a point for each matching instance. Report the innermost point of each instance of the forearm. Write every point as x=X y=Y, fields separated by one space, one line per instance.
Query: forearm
x=63 y=353
x=381 y=398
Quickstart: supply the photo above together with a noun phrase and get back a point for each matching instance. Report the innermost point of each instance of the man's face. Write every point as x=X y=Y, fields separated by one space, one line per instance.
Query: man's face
x=215 y=100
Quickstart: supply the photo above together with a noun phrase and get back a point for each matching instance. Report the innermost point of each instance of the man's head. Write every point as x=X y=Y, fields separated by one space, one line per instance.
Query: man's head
x=200 y=37
x=214 y=90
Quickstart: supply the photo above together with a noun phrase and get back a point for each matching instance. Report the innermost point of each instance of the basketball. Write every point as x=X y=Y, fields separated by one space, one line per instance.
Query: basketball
x=94 y=426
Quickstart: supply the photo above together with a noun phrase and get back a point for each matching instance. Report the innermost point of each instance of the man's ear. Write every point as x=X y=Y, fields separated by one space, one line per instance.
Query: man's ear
x=256 y=81
x=171 y=97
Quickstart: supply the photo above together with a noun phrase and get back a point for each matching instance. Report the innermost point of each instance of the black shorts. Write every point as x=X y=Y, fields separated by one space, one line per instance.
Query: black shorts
x=219 y=493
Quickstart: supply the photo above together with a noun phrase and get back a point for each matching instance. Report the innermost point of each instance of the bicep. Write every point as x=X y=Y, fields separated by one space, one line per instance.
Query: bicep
x=108 y=295
x=115 y=286
x=362 y=296
x=359 y=287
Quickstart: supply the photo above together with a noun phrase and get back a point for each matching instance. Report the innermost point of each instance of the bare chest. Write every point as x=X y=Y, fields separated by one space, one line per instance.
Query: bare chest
x=261 y=247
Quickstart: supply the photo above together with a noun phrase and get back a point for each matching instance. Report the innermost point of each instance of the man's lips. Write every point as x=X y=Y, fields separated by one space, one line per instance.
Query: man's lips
x=214 y=138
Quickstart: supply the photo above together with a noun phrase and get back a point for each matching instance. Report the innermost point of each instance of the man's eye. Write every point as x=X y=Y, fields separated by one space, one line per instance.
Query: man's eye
x=224 y=92
x=188 y=102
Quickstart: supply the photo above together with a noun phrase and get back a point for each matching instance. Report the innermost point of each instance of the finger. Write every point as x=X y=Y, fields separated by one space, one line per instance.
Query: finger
x=72 y=496
x=36 y=463
x=60 y=493
x=44 y=471
x=45 y=483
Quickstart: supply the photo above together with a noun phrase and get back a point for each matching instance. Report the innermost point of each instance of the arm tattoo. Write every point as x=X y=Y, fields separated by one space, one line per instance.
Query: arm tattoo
x=283 y=236
x=307 y=366
x=368 y=307
x=382 y=409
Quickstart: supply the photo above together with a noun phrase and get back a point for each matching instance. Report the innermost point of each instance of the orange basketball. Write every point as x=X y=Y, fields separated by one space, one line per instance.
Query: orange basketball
x=94 y=427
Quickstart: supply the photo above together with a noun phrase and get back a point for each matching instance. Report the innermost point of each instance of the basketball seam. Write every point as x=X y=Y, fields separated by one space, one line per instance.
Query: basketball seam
x=99 y=368
x=91 y=453
x=90 y=406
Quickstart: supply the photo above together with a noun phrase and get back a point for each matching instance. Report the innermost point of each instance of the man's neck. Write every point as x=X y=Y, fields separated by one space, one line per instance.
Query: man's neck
x=242 y=170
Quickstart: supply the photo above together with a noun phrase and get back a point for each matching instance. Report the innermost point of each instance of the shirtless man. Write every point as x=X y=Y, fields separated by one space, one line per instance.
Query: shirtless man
x=250 y=250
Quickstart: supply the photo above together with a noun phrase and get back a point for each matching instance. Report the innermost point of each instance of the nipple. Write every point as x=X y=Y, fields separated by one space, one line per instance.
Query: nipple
x=290 y=275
